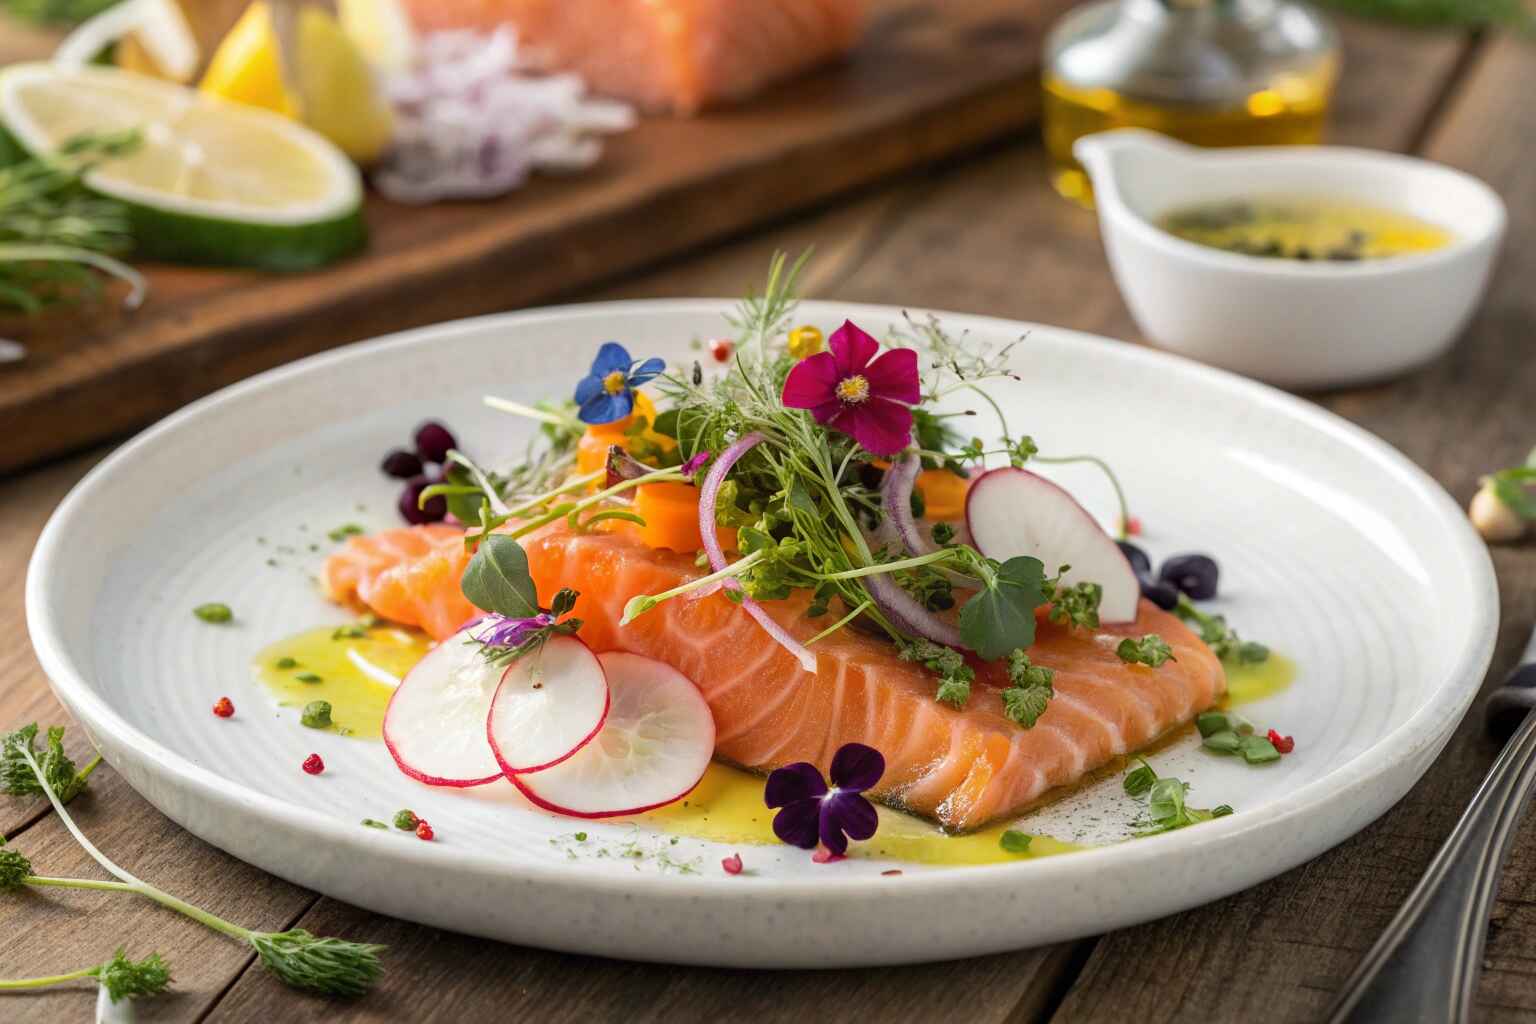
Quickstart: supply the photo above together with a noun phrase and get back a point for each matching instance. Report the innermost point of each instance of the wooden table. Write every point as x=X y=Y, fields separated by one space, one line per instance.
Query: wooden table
x=984 y=235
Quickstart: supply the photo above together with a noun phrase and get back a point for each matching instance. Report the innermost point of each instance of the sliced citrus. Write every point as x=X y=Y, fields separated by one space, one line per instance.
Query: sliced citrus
x=212 y=182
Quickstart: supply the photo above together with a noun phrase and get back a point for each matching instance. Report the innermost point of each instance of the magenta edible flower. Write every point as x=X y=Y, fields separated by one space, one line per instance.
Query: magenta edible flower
x=500 y=631
x=607 y=393
x=809 y=810
x=693 y=465
x=852 y=391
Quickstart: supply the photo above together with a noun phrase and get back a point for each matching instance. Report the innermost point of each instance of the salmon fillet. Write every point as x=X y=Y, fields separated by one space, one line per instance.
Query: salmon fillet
x=666 y=55
x=410 y=576
x=962 y=767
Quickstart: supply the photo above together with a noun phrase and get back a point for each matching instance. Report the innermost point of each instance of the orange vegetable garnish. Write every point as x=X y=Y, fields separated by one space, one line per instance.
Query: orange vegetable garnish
x=592 y=449
x=671 y=514
x=943 y=494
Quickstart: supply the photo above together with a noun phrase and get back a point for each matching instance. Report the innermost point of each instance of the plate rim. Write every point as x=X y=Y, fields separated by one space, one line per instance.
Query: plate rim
x=1430 y=725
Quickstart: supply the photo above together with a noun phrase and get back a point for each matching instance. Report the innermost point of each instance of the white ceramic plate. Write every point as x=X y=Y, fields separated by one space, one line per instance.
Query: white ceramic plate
x=1334 y=548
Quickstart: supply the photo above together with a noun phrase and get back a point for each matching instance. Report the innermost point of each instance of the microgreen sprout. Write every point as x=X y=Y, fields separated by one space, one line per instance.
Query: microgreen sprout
x=327 y=966
x=1221 y=638
x=1150 y=650
x=16 y=776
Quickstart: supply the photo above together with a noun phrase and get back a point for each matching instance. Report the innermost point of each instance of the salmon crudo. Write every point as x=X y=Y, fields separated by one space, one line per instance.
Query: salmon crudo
x=791 y=558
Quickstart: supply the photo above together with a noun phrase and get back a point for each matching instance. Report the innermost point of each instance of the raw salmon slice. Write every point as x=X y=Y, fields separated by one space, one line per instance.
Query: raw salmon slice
x=410 y=576
x=679 y=55
x=963 y=767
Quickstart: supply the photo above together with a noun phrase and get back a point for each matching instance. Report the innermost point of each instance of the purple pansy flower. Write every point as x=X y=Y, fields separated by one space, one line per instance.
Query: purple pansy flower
x=500 y=631
x=607 y=392
x=810 y=811
x=852 y=391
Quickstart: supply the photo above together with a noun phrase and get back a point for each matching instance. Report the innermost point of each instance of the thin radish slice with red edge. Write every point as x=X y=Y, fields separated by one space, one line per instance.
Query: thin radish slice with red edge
x=652 y=750
x=434 y=726
x=1011 y=512
x=550 y=704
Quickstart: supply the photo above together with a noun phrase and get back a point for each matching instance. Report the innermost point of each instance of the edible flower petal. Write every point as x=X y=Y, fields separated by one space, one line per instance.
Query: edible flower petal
x=810 y=811
x=857 y=390
x=500 y=631
x=691 y=468
x=607 y=393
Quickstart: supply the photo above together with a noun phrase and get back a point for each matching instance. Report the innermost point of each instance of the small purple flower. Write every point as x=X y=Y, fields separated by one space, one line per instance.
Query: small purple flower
x=693 y=465
x=500 y=631
x=810 y=811
x=607 y=393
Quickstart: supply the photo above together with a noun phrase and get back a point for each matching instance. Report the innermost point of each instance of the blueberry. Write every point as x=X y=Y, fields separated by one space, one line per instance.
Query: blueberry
x=1195 y=575
x=436 y=508
x=1137 y=557
x=402 y=464
x=433 y=441
x=1164 y=595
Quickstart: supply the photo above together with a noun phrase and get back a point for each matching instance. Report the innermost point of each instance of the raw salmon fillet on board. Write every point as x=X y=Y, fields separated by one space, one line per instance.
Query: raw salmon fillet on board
x=960 y=766
x=666 y=55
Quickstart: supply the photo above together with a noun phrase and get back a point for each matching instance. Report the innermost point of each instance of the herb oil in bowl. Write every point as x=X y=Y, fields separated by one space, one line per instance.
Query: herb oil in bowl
x=1304 y=229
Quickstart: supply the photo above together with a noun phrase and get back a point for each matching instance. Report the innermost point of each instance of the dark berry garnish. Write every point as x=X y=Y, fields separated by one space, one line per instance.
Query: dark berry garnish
x=1195 y=575
x=433 y=441
x=410 y=503
x=402 y=464
x=1160 y=592
x=1137 y=557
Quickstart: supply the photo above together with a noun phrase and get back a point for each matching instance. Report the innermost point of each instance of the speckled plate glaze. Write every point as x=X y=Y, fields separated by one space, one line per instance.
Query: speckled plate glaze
x=1335 y=550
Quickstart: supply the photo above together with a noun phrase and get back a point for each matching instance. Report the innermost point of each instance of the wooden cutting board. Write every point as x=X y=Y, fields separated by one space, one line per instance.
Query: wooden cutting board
x=931 y=79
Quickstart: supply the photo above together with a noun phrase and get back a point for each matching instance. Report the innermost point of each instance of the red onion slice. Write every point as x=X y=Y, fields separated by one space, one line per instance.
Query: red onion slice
x=896 y=502
x=908 y=614
x=709 y=493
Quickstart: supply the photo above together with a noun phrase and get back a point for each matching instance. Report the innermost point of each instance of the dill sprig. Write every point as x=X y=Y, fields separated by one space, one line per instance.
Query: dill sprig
x=326 y=966
x=121 y=977
x=54 y=235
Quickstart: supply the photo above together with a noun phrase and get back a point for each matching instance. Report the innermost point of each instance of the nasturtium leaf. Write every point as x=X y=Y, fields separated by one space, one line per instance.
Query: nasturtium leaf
x=497 y=580
x=1002 y=617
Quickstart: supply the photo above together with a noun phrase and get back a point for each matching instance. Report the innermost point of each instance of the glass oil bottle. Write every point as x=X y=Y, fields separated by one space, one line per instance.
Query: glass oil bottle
x=1209 y=72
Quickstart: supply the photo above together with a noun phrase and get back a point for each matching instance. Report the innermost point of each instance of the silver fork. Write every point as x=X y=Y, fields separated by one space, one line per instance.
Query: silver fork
x=1425 y=965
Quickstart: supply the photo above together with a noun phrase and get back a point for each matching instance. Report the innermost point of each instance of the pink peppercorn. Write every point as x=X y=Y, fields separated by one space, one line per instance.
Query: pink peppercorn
x=313 y=765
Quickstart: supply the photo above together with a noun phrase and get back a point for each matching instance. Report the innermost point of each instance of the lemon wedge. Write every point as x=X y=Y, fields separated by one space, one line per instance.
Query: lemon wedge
x=211 y=182
x=328 y=84
x=382 y=30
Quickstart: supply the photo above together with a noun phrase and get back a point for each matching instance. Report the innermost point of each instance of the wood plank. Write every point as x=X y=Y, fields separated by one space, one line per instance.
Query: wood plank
x=439 y=976
x=928 y=82
x=54 y=930
x=1281 y=950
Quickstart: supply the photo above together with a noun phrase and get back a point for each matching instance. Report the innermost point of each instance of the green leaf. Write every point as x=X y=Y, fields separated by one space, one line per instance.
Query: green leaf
x=1258 y=750
x=1209 y=722
x=1224 y=742
x=1015 y=841
x=213 y=612
x=1002 y=617
x=497 y=580
x=1139 y=780
x=1151 y=651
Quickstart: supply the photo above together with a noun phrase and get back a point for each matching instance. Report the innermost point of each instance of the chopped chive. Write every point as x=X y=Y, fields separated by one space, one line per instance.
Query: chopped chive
x=344 y=531
x=1226 y=742
x=308 y=677
x=286 y=662
x=373 y=823
x=317 y=714
x=213 y=612
x=1015 y=841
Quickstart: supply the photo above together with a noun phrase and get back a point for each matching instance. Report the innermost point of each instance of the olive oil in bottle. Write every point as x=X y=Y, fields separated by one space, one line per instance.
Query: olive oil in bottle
x=1208 y=72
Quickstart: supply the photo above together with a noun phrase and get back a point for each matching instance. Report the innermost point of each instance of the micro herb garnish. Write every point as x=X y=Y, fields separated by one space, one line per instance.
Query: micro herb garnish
x=1151 y=650
x=406 y=820
x=1014 y=841
x=316 y=714
x=344 y=531
x=327 y=966
x=351 y=632
x=1077 y=605
x=1029 y=689
x=1226 y=732
x=121 y=977
x=1166 y=809
x=309 y=677
x=1221 y=638
x=214 y=612
x=955 y=676
x=16 y=777
x=374 y=823
x=286 y=663
x=498 y=581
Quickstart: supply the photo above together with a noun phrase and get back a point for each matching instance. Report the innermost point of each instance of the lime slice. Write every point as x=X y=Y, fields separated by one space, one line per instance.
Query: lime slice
x=212 y=182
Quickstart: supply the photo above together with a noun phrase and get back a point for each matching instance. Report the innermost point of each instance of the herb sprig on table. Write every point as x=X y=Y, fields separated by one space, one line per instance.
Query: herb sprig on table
x=326 y=966
x=55 y=237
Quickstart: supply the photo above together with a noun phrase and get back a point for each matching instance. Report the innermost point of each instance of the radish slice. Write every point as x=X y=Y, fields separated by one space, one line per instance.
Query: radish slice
x=549 y=705
x=435 y=723
x=1012 y=512
x=652 y=750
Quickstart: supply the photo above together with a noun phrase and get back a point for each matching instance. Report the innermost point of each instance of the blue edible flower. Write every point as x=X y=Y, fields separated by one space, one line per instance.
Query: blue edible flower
x=607 y=393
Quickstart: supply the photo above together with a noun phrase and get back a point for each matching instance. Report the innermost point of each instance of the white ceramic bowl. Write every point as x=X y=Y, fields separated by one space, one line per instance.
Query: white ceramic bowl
x=1292 y=323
